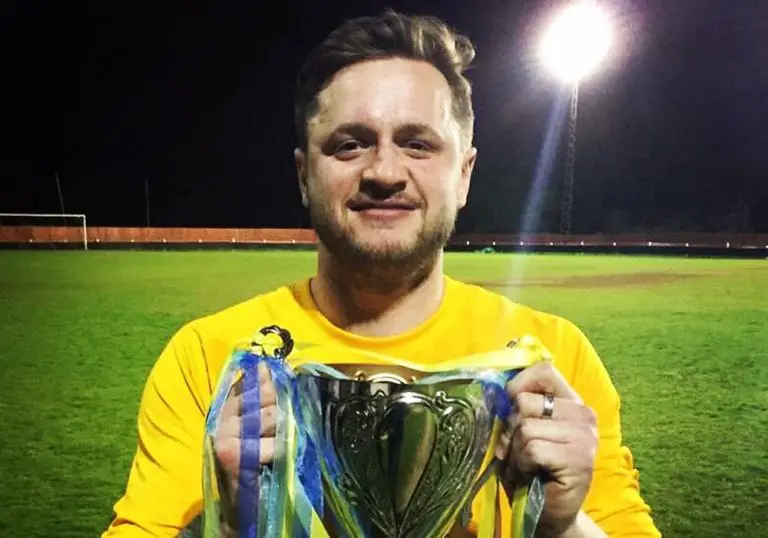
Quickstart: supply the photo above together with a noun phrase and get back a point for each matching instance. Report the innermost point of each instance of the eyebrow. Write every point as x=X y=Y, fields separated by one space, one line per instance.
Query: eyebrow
x=418 y=129
x=407 y=129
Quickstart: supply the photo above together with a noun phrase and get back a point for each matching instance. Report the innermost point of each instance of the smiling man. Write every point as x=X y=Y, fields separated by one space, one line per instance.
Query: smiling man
x=384 y=158
x=389 y=167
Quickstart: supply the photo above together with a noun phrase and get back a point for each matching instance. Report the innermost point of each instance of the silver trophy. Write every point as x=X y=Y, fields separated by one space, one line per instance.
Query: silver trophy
x=400 y=459
x=366 y=446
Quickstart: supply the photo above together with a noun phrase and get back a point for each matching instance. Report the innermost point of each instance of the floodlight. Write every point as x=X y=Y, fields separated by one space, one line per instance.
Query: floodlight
x=577 y=41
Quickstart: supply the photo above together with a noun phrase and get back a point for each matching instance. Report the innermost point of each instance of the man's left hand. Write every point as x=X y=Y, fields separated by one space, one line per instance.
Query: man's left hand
x=550 y=431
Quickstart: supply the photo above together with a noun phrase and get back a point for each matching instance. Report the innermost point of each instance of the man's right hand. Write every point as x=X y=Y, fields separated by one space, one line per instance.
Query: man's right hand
x=229 y=445
x=228 y=441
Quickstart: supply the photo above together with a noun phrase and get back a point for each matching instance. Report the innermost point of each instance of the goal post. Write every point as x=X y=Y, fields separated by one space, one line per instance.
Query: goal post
x=49 y=221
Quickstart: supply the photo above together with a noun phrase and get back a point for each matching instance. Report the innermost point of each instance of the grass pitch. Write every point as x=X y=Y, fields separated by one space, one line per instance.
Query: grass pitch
x=686 y=341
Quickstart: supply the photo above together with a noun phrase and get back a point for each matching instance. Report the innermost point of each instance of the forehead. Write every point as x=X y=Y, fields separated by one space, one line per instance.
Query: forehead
x=385 y=93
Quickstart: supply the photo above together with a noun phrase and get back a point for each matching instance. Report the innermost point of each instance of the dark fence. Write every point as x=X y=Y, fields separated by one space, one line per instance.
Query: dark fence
x=114 y=235
x=40 y=237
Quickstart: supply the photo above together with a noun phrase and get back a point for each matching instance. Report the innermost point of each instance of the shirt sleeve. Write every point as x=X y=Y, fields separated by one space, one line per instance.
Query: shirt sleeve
x=164 y=488
x=613 y=502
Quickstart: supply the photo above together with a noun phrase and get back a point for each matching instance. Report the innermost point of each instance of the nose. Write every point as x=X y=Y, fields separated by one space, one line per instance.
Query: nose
x=386 y=171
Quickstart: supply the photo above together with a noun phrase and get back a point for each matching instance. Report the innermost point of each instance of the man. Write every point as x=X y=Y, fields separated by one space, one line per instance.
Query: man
x=384 y=123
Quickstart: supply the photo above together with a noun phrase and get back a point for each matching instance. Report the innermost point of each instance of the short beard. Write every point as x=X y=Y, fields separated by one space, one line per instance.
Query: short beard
x=382 y=270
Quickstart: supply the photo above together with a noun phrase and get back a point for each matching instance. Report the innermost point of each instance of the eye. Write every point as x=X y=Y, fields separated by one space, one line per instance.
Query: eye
x=348 y=146
x=418 y=145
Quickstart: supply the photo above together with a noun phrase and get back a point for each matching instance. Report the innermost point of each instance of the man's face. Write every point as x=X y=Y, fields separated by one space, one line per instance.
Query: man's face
x=385 y=171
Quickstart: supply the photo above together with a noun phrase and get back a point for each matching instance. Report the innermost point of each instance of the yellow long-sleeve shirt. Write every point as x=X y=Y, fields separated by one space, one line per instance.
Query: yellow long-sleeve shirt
x=164 y=489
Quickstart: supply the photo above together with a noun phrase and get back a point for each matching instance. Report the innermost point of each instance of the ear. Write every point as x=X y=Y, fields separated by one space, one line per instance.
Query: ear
x=300 y=158
x=467 y=166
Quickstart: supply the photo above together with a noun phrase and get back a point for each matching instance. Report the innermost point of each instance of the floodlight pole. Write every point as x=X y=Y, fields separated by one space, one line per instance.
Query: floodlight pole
x=570 y=162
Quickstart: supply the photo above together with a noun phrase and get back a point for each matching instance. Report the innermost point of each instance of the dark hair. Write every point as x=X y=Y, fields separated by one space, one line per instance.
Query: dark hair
x=388 y=35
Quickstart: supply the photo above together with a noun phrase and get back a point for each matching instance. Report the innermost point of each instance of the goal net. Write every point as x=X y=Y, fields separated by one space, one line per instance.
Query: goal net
x=57 y=230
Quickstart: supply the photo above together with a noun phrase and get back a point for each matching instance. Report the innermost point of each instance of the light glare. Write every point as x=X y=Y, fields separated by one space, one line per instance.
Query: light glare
x=576 y=42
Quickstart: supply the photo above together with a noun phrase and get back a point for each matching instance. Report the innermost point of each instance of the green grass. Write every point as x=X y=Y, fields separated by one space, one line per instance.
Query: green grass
x=80 y=331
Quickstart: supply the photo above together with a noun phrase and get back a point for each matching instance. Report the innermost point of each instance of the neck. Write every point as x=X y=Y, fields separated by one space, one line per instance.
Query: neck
x=377 y=303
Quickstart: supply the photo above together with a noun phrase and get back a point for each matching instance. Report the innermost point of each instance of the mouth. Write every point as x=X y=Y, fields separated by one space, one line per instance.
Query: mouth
x=383 y=211
x=383 y=205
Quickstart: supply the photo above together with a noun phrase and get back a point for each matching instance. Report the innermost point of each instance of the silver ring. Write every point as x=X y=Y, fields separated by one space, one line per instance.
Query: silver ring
x=549 y=406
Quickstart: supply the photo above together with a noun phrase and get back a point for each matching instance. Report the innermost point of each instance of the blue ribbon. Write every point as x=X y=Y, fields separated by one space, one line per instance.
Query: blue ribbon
x=250 y=455
x=261 y=488
x=307 y=463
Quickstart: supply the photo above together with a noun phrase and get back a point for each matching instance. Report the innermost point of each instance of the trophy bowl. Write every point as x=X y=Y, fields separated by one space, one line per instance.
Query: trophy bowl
x=399 y=459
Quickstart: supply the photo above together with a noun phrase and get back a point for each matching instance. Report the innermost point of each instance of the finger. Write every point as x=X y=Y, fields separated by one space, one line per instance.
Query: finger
x=542 y=443
x=228 y=455
x=503 y=444
x=233 y=427
x=230 y=428
x=267 y=450
x=266 y=390
x=233 y=406
x=556 y=459
x=268 y=417
x=531 y=405
x=550 y=431
x=268 y=394
x=541 y=378
x=233 y=452
x=538 y=454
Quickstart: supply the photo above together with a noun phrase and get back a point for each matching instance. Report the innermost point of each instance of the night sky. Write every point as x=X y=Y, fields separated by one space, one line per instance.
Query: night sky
x=195 y=98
